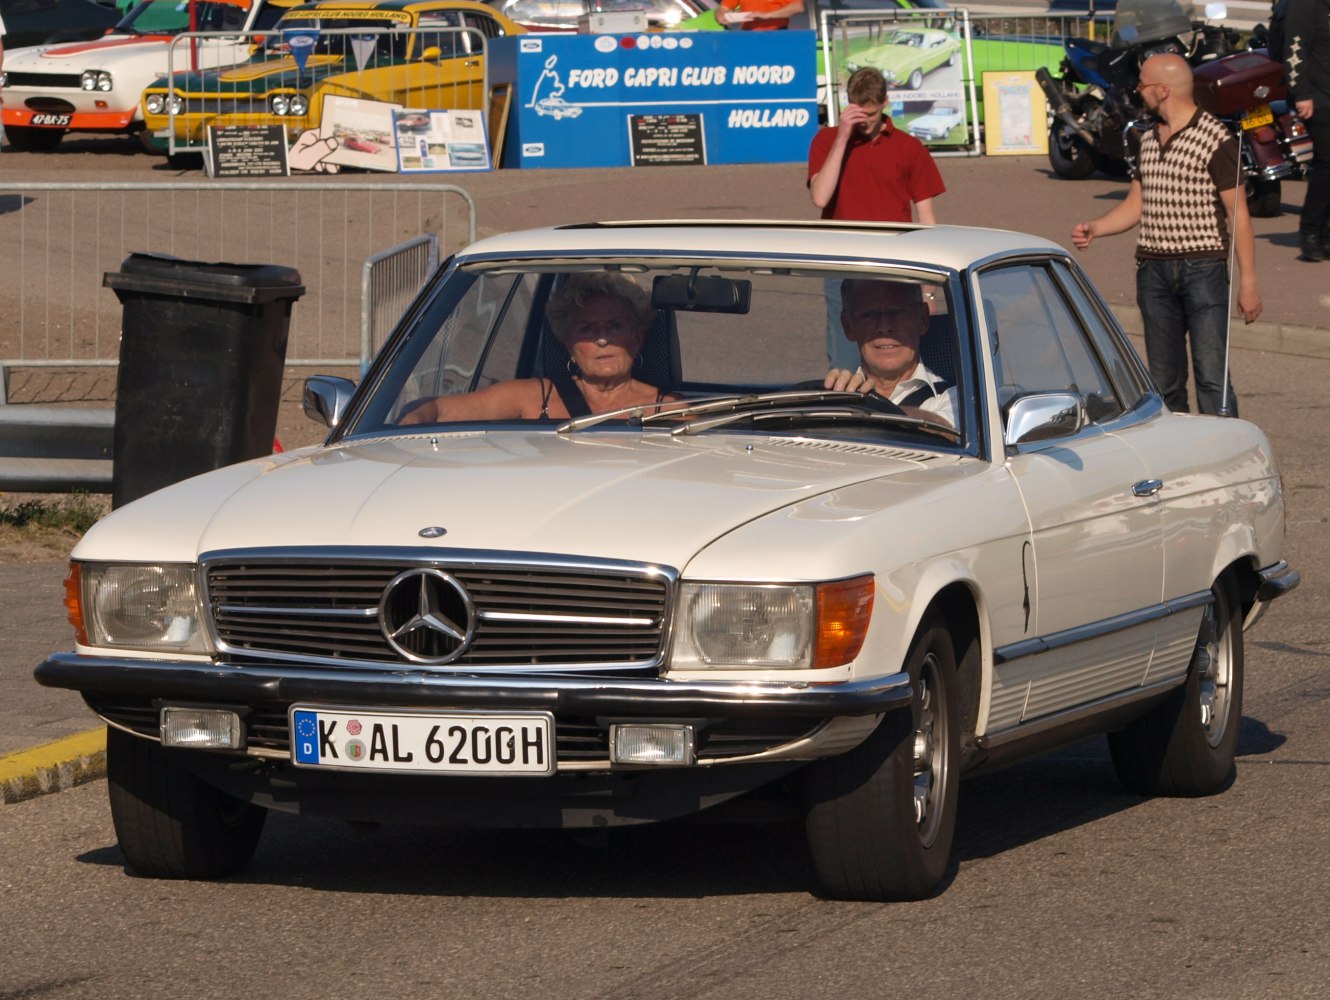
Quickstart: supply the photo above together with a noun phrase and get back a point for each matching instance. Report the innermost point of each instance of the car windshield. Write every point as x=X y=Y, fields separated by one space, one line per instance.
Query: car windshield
x=337 y=36
x=739 y=349
x=172 y=17
x=905 y=38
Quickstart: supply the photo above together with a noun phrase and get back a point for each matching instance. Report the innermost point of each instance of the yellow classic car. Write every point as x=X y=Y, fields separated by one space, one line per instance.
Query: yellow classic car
x=415 y=53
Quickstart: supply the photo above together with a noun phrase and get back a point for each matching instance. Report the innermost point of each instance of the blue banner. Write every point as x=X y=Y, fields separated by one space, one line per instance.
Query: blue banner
x=661 y=97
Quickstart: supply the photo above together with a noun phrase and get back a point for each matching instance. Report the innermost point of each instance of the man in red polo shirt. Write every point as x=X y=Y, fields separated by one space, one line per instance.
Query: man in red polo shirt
x=757 y=15
x=866 y=169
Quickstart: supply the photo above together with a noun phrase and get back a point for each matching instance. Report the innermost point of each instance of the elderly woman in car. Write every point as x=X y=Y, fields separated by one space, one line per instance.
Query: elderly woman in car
x=602 y=319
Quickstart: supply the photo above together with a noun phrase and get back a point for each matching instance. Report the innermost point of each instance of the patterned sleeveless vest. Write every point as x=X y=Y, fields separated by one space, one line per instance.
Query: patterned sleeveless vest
x=1181 y=214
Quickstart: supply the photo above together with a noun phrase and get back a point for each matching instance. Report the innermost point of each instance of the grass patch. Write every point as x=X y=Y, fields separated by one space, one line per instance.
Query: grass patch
x=37 y=528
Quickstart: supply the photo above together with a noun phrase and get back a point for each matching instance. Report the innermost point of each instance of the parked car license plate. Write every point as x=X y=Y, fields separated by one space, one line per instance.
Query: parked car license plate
x=1257 y=116
x=447 y=743
x=52 y=120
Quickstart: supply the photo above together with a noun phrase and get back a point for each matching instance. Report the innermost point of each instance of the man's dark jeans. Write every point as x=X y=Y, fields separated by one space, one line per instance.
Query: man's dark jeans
x=1178 y=298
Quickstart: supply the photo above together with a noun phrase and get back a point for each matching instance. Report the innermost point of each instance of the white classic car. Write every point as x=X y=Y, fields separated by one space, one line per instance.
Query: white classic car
x=95 y=86
x=937 y=123
x=593 y=545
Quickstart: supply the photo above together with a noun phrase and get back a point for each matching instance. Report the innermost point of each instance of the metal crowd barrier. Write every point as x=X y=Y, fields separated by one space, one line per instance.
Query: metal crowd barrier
x=61 y=327
x=60 y=239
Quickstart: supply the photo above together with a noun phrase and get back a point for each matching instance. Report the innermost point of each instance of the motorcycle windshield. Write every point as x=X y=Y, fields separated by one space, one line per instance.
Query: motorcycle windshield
x=1140 y=22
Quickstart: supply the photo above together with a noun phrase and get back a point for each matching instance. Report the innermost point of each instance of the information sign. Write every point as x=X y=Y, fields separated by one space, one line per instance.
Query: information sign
x=245 y=151
x=660 y=139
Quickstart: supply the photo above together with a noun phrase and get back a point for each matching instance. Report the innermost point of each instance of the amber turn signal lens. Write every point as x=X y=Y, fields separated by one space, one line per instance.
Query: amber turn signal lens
x=74 y=603
x=843 y=611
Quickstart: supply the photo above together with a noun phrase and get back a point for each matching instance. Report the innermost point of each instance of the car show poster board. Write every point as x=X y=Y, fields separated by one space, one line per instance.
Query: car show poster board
x=658 y=98
x=363 y=130
x=437 y=141
x=1015 y=115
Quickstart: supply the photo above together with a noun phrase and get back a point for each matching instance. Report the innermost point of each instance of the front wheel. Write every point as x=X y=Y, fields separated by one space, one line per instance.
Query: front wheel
x=916 y=80
x=1264 y=198
x=1069 y=155
x=881 y=818
x=1186 y=745
x=171 y=824
x=26 y=139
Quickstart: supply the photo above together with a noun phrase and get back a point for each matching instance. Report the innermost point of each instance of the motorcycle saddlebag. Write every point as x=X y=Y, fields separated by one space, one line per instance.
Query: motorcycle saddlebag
x=1235 y=83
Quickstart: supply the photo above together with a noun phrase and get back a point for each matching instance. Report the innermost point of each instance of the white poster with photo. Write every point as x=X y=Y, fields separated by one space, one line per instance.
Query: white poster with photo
x=437 y=141
x=364 y=133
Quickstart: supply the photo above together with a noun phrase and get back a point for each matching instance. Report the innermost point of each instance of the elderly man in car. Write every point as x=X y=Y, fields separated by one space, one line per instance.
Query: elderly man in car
x=887 y=319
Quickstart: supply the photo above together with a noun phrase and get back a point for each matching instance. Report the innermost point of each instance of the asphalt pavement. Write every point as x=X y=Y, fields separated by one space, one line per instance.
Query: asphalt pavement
x=49 y=740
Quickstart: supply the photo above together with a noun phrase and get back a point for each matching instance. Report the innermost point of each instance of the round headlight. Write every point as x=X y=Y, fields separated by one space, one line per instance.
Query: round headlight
x=154 y=103
x=299 y=105
x=278 y=104
x=174 y=105
x=104 y=83
x=88 y=81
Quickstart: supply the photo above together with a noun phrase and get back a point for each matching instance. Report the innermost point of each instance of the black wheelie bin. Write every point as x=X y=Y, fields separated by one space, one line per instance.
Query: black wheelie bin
x=202 y=350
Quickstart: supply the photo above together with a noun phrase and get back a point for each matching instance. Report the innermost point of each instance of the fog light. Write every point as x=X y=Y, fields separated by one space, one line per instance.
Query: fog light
x=201 y=728
x=653 y=744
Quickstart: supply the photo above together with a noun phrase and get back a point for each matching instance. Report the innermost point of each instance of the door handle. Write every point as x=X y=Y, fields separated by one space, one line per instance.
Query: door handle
x=1148 y=487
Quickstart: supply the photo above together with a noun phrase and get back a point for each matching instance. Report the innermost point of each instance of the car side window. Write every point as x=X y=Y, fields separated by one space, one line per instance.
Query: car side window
x=1037 y=343
x=1106 y=340
x=449 y=43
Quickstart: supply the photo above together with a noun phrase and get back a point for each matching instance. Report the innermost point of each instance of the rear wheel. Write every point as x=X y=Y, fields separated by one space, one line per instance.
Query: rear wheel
x=26 y=139
x=171 y=824
x=1264 y=198
x=1069 y=155
x=1186 y=745
x=882 y=818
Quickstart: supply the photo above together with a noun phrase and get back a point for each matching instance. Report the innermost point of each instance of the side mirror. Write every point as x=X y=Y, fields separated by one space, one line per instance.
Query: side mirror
x=326 y=397
x=431 y=54
x=1044 y=416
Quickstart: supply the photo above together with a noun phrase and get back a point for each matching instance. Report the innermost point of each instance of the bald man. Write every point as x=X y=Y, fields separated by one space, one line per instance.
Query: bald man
x=1188 y=196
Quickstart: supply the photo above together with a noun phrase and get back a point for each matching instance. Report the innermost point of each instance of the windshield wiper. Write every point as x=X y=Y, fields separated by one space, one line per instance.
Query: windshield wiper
x=821 y=413
x=723 y=410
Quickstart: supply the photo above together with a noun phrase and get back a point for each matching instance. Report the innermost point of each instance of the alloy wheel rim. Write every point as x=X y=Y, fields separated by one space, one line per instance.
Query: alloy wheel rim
x=1214 y=657
x=930 y=752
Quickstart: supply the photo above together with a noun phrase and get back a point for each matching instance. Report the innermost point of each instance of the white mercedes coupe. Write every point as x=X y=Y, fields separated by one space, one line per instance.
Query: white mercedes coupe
x=593 y=543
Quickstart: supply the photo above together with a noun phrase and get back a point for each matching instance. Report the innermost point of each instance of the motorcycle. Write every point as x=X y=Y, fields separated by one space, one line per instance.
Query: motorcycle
x=1094 y=104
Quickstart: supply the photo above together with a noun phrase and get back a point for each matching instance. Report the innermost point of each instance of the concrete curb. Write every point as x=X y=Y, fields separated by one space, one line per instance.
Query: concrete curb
x=53 y=767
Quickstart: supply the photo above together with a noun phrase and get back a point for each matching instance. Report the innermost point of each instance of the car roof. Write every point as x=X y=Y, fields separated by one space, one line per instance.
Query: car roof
x=948 y=247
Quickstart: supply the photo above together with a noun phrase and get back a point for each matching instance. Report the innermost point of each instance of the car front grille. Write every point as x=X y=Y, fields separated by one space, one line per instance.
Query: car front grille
x=44 y=81
x=525 y=616
x=577 y=739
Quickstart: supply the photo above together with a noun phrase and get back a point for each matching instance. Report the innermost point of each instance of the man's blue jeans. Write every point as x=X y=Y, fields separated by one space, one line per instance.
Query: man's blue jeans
x=1178 y=298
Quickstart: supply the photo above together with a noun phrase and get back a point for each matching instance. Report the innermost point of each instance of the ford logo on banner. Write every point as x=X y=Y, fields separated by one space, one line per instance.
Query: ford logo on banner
x=301 y=43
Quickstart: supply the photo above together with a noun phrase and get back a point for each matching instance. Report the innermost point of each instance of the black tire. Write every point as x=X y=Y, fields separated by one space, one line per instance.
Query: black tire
x=881 y=819
x=1264 y=199
x=916 y=80
x=1068 y=153
x=26 y=139
x=1186 y=745
x=171 y=824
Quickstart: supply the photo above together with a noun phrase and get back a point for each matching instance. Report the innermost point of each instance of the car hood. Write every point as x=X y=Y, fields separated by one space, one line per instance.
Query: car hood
x=259 y=76
x=101 y=53
x=623 y=495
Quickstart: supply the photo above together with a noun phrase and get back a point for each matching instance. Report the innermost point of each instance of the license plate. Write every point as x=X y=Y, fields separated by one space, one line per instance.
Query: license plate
x=1257 y=116
x=56 y=121
x=431 y=742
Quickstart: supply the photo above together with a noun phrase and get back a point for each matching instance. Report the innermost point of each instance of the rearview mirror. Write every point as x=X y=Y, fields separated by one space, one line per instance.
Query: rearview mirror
x=692 y=293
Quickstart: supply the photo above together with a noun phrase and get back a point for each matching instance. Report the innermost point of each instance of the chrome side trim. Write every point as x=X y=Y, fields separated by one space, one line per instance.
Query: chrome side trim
x=1103 y=627
x=1024 y=730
